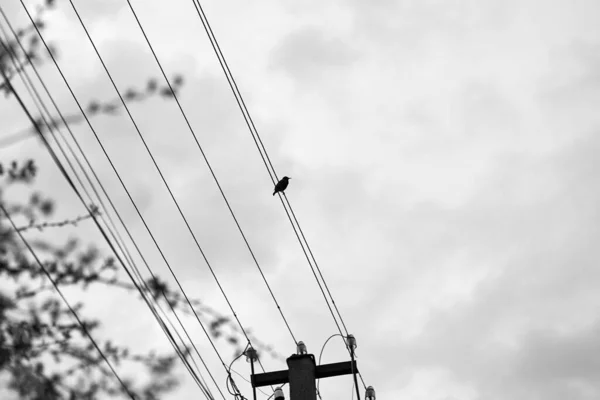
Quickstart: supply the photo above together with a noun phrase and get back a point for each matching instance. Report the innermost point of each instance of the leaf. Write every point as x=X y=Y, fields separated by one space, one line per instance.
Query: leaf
x=131 y=94
x=166 y=92
x=34 y=41
x=178 y=80
x=232 y=340
x=110 y=108
x=93 y=107
x=47 y=207
x=53 y=50
x=152 y=85
x=35 y=199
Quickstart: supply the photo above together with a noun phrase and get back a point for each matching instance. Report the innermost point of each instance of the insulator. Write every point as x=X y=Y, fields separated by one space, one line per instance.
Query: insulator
x=351 y=342
x=279 y=394
x=370 y=393
x=251 y=354
x=301 y=348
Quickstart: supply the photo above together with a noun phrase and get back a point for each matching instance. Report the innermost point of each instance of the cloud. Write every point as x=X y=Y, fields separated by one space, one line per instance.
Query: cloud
x=530 y=242
x=444 y=164
x=305 y=53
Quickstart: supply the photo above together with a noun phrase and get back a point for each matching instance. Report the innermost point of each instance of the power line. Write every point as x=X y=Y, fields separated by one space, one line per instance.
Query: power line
x=255 y=136
x=321 y=354
x=266 y=160
x=244 y=378
x=230 y=383
x=211 y=170
x=66 y=124
x=79 y=195
x=28 y=81
x=162 y=177
x=41 y=265
x=83 y=112
x=126 y=251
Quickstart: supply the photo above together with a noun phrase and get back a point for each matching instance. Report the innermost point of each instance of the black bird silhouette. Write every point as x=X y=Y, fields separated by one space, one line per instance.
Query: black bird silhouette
x=282 y=184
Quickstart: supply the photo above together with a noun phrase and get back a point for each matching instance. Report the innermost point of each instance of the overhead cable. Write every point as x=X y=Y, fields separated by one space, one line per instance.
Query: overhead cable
x=79 y=195
x=64 y=299
x=211 y=170
x=270 y=168
x=166 y=185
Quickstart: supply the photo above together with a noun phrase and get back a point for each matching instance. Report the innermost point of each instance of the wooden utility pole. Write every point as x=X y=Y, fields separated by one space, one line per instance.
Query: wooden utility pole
x=301 y=374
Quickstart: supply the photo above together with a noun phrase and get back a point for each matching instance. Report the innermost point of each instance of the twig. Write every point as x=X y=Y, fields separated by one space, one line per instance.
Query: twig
x=58 y=224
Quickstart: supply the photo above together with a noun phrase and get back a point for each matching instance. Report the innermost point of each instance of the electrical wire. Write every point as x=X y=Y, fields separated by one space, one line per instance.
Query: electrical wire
x=321 y=354
x=118 y=239
x=126 y=108
x=211 y=170
x=355 y=383
x=79 y=195
x=230 y=383
x=254 y=133
x=64 y=299
x=266 y=160
x=259 y=144
x=110 y=161
x=165 y=183
x=126 y=252
x=244 y=378
x=180 y=354
x=335 y=306
x=325 y=344
x=200 y=377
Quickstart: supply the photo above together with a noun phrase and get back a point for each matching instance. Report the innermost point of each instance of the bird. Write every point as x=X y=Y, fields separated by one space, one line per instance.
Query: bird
x=282 y=185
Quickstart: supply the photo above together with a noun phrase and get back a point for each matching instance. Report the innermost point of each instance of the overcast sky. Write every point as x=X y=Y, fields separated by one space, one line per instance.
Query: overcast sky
x=444 y=157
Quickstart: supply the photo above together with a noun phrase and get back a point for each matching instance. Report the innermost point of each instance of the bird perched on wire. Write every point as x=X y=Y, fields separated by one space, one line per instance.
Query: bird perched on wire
x=282 y=184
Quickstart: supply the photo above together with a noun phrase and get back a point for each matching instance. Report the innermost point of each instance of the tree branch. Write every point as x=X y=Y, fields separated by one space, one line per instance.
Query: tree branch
x=73 y=222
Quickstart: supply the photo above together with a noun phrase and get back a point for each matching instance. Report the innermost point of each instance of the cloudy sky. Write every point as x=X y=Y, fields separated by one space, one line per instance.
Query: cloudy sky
x=444 y=157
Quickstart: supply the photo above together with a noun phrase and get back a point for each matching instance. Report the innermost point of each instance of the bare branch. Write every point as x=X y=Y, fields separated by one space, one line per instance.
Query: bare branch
x=58 y=224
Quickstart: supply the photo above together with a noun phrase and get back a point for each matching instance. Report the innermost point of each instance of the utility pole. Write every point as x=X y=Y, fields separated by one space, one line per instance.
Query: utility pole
x=303 y=372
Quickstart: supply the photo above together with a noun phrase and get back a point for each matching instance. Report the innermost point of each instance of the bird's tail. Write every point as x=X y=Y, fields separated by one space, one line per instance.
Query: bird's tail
x=274 y=192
